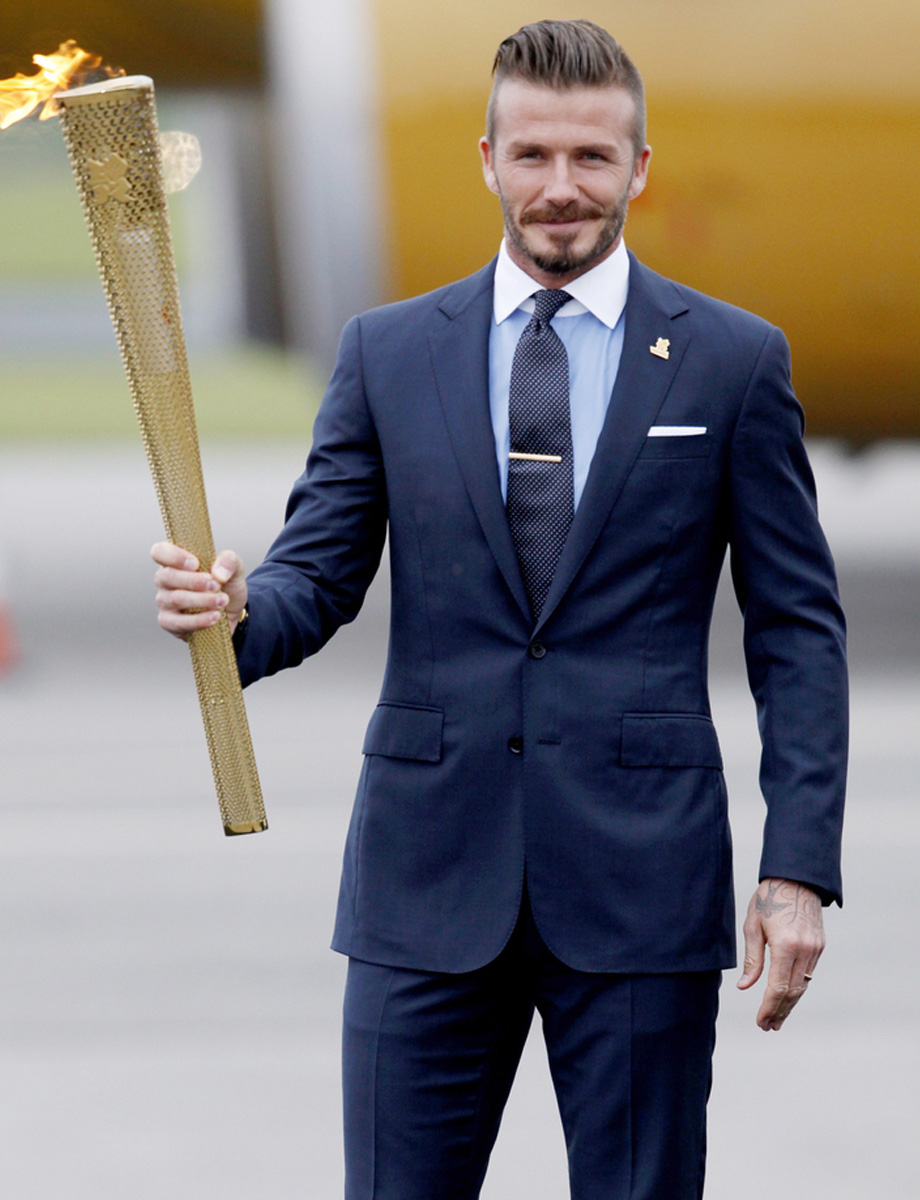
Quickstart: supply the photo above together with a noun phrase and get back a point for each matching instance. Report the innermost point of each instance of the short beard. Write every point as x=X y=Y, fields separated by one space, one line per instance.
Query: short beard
x=563 y=262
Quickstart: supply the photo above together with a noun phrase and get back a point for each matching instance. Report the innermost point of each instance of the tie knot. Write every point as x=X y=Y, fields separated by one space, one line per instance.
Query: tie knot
x=548 y=302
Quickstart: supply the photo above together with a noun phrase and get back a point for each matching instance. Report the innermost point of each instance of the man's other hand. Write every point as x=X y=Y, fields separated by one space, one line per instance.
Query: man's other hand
x=785 y=916
x=183 y=588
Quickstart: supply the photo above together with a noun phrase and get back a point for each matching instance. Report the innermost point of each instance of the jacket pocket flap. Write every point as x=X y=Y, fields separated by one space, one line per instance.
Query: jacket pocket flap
x=669 y=740
x=405 y=731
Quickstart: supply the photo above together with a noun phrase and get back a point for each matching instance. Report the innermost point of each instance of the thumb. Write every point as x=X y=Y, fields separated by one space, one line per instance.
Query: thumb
x=754 y=953
x=226 y=566
x=229 y=572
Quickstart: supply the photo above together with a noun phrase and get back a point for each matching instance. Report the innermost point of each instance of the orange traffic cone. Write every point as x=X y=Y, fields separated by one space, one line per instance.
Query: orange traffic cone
x=9 y=646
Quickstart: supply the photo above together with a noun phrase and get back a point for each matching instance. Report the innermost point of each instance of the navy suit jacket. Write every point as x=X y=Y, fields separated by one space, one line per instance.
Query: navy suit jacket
x=584 y=746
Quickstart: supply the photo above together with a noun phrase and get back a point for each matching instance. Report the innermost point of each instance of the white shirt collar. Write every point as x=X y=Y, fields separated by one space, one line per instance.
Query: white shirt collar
x=600 y=291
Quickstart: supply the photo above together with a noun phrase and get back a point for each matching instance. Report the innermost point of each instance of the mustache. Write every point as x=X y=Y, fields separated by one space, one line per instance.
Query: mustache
x=566 y=212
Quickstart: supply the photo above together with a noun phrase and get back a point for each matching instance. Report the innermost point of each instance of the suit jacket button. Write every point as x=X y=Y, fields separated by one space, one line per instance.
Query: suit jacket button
x=516 y=745
x=537 y=650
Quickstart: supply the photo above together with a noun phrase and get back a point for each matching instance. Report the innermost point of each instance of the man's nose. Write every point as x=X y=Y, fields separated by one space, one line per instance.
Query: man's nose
x=560 y=186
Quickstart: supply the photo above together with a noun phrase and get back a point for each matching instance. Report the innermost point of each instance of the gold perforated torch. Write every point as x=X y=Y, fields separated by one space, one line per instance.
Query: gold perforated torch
x=112 y=138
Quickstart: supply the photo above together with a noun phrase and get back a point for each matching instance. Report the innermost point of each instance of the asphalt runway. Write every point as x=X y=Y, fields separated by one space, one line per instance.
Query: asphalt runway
x=169 y=1010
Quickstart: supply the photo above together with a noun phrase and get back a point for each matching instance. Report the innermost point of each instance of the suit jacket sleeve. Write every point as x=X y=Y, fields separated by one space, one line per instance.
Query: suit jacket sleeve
x=317 y=571
x=794 y=633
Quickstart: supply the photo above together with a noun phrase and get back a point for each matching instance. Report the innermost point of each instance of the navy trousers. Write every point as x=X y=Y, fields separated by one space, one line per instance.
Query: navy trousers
x=429 y=1060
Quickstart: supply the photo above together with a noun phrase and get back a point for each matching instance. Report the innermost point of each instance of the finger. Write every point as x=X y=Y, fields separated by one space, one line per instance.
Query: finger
x=774 y=1014
x=786 y=985
x=166 y=554
x=183 y=623
x=808 y=962
x=172 y=579
x=804 y=956
x=811 y=964
x=791 y=971
x=177 y=600
x=814 y=957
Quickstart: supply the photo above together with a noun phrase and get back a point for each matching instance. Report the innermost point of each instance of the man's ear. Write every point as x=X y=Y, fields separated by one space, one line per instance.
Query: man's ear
x=488 y=165
x=640 y=173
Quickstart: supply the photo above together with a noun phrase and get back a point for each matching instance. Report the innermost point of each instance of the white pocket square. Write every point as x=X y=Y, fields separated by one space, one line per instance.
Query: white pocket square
x=676 y=430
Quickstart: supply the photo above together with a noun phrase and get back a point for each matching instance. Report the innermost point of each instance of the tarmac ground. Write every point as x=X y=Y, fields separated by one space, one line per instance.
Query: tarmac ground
x=169 y=1008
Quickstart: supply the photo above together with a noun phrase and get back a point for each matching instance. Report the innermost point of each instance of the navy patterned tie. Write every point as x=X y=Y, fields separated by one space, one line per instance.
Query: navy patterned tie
x=540 y=499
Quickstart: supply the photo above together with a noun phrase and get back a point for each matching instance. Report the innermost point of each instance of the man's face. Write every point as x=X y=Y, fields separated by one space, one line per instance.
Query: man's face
x=565 y=168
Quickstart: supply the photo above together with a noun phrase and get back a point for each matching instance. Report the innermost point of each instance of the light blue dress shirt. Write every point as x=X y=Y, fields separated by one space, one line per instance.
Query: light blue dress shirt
x=591 y=329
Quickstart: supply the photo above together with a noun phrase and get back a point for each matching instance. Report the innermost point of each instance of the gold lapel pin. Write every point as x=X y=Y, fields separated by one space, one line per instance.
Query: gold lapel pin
x=661 y=349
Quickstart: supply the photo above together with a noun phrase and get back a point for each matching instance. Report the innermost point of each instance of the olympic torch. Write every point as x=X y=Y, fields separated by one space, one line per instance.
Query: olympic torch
x=111 y=133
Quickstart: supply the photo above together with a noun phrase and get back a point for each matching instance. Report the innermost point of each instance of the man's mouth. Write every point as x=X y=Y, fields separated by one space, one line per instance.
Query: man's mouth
x=560 y=217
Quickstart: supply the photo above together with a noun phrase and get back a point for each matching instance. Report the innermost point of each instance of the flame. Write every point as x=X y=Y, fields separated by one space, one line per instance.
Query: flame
x=22 y=94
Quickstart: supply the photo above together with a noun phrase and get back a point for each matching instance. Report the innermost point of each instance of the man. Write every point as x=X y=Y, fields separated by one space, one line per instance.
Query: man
x=562 y=447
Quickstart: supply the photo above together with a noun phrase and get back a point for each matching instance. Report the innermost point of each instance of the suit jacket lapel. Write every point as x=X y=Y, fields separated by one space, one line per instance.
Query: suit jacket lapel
x=642 y=383
x=460 y=357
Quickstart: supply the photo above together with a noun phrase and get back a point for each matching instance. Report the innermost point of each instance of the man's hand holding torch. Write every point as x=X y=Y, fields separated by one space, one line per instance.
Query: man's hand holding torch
x=190 y=599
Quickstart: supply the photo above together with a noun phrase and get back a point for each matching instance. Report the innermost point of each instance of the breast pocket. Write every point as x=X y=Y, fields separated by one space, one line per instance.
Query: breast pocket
x=677 y=446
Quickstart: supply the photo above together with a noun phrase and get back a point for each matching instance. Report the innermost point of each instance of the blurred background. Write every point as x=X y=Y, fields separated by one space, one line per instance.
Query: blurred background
x=168 y=1007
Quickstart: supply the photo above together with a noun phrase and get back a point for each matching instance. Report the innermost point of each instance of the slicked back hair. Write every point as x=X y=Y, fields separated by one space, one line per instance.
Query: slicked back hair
x=567 y=54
